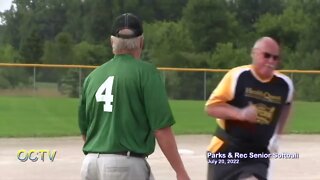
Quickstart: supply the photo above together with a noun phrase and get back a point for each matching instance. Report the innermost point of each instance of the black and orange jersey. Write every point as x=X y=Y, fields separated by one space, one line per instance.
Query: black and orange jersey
x=241 y=86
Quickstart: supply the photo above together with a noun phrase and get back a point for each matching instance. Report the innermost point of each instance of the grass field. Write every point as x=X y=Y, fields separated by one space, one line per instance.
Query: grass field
x=35 y=116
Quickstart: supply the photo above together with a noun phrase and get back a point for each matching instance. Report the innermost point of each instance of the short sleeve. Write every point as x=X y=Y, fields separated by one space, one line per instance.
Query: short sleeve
x=156 y=103
x=224 y=91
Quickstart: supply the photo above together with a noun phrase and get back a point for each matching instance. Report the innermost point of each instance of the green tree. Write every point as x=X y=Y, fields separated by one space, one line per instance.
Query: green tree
x=97 y=20
x=168 y=10
x=209 y=22
x=226 y=56
x=287 y=28
x=164 y=43
x=12 y=20
x=169 y=44
x=309 y=41
x=59 y=51
x=74 y=19
x=249 y=11
x=11 y=77
x=30 y=23
x=90 y=54
x=31 y=49
x=2 y=27
x=8 y=54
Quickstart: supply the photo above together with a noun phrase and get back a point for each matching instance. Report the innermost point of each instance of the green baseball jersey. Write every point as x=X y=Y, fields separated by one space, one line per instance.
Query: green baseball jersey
x=123 y=102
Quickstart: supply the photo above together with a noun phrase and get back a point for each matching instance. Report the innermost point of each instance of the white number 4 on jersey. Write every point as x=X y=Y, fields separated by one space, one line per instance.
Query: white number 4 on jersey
x=104 y=94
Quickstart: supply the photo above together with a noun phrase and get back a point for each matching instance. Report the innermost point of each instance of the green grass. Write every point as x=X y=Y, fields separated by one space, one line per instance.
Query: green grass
x=27 y=116
x=305 y=118
x=35 y=116
x=191 y=118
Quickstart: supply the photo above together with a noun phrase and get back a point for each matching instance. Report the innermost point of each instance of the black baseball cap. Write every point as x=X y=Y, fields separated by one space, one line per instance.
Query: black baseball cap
x=127 y=21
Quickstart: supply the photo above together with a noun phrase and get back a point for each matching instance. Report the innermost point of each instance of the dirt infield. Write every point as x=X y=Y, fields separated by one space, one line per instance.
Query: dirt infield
x=67 y=162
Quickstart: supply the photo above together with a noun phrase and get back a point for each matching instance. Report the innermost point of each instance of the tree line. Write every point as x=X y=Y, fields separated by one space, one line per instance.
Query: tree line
x=179 y=33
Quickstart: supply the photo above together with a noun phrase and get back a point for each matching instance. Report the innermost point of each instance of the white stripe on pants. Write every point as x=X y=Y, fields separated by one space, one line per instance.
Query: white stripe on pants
x=115 y=167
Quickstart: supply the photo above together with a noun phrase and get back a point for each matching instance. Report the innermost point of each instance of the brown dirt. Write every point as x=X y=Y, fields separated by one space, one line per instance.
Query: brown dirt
x=69 y=156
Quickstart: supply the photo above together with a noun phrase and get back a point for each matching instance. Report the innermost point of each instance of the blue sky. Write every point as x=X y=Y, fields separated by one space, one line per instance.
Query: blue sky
x=5 y=4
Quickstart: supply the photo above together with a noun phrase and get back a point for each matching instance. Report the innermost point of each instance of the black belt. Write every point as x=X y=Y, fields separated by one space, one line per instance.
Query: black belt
x=129 y=153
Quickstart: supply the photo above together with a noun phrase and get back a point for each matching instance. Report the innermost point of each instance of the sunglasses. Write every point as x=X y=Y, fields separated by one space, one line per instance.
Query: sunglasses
x=267 y=55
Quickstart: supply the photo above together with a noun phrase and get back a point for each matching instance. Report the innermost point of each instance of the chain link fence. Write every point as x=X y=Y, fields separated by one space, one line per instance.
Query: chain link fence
x=181 y=83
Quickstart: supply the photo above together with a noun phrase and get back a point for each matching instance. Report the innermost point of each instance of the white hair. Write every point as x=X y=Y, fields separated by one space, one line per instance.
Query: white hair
x=119 y=44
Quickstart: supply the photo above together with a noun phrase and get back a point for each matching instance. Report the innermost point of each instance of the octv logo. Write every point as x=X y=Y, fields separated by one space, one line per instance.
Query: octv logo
x=34 y=155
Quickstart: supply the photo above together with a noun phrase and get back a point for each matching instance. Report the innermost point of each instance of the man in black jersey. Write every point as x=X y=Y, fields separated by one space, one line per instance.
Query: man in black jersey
x=251 y=104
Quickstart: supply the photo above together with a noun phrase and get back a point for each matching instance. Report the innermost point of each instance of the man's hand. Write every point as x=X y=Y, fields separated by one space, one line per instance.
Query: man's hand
x=249 y=113
x=168 y=146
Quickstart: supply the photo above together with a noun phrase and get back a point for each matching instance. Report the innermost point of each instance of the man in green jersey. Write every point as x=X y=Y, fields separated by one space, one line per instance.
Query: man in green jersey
x=123 y=109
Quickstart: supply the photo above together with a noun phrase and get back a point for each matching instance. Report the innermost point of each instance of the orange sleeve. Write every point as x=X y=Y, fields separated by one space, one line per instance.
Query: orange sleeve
x=224 y=91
